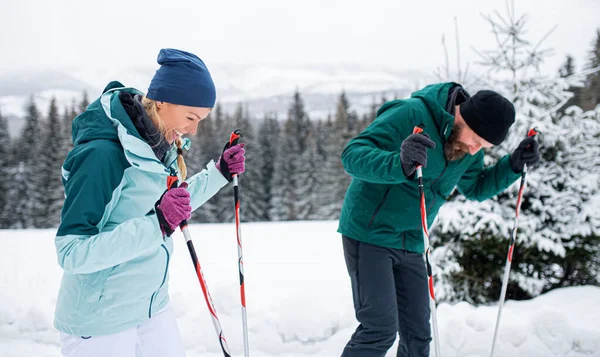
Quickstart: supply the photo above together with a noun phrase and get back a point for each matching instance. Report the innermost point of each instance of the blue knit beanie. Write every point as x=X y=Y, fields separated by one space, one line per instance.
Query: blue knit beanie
x=182 y=79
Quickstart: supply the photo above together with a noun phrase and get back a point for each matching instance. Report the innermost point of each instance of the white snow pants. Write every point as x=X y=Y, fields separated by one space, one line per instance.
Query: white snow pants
x=157 y=337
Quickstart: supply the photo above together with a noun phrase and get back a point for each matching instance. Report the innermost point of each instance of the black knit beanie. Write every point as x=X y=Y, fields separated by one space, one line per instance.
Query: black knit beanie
x=489 y=115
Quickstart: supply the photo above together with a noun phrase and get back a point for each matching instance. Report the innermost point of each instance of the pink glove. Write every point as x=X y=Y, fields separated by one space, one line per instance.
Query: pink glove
x=173 y=208
x=232 y=161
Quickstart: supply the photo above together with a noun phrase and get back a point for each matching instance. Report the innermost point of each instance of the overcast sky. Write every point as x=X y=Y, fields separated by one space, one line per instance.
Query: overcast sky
x=399 y=34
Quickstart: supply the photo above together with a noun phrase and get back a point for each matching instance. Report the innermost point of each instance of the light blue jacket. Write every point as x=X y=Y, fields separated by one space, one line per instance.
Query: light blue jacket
x=109 y=243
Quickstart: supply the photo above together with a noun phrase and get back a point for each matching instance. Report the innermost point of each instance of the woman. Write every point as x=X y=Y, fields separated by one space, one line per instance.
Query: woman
x=114 y=242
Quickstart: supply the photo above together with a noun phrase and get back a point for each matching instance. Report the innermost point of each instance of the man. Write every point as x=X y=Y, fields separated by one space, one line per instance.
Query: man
x=380 y=220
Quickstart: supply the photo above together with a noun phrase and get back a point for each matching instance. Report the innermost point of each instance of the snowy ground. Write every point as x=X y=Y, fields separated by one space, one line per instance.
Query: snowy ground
x=298 y=296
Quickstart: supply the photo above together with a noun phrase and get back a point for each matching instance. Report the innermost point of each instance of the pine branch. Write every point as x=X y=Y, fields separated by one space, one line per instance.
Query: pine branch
x=447 y=62
x=501 y=45
x=495 y=12
x=510 y=10
x=457 y=49
x=544 y=38
x=467 y=71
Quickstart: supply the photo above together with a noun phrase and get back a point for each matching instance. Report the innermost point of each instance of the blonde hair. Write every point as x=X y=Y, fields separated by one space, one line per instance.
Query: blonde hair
x=152 y=111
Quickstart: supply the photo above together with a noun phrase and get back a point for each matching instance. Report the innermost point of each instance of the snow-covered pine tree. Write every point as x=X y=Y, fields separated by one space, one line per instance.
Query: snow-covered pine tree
x=67 y=124
x=301 y=122
x=18 y=215
x=592 y=89
x=326 y=202
x=309 y=178
x=5 y=171
x=24 y=191
x=323 y=132
x=285 y=203
x=369 y=116
x=346 y=120
x=267 y=148
x=572 y=216
x=568 y=70
x=195 y=159
x=49 y=168
x=224 y=204
x=558 y=224
x=298 y=138
x=251 y=184
x=345 y=128
x=283 y=199
x=83 y=104
x=207 y=145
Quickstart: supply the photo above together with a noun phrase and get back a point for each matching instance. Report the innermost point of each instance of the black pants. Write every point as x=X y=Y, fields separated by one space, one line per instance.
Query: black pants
x=389 y=287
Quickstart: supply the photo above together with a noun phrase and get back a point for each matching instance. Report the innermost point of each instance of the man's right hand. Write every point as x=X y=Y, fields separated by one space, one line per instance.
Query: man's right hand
x=413 y=152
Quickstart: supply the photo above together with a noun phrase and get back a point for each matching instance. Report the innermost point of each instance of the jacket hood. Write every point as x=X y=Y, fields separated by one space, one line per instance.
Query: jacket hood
x=93 y=124
x=437 y=98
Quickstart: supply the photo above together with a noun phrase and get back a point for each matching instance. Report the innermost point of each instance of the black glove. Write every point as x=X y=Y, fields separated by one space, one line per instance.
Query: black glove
x=527 y=153
x=413 y=152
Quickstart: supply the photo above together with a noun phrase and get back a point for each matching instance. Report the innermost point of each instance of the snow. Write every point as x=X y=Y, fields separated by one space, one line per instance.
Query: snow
x=298 y=297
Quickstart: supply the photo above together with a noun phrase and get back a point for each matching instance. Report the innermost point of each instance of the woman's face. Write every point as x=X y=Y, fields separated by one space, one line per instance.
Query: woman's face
x=180 y=119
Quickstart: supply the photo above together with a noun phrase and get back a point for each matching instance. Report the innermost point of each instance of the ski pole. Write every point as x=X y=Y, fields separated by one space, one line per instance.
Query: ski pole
x=172 y=182
x=426 y=255
x=511 y=246
x=233 y=140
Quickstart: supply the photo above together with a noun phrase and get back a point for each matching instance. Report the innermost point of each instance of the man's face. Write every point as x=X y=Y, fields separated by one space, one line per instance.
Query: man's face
x=463 y=140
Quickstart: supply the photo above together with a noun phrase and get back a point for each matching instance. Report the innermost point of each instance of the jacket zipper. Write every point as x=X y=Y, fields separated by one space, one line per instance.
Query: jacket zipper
x=161 y=284
x=387 y=191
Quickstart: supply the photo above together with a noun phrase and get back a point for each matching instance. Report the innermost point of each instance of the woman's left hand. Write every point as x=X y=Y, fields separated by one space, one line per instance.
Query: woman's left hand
x=232 y=161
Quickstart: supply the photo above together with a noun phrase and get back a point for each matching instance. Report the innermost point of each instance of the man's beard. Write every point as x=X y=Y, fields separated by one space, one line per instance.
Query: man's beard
x=454 y=149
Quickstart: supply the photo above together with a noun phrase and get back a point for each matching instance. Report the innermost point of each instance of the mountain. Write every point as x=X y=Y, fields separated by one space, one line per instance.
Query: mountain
x=25 y=83
x=262 y=88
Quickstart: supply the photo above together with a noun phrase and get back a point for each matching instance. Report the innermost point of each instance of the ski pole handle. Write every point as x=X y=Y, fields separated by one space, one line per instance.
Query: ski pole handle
x=533 y=132
x=418 y=130
x=235 y=137
x=173 y=182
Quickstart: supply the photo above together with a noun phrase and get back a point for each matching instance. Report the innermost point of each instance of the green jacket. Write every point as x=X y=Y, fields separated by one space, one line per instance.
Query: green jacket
x=381 y=206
